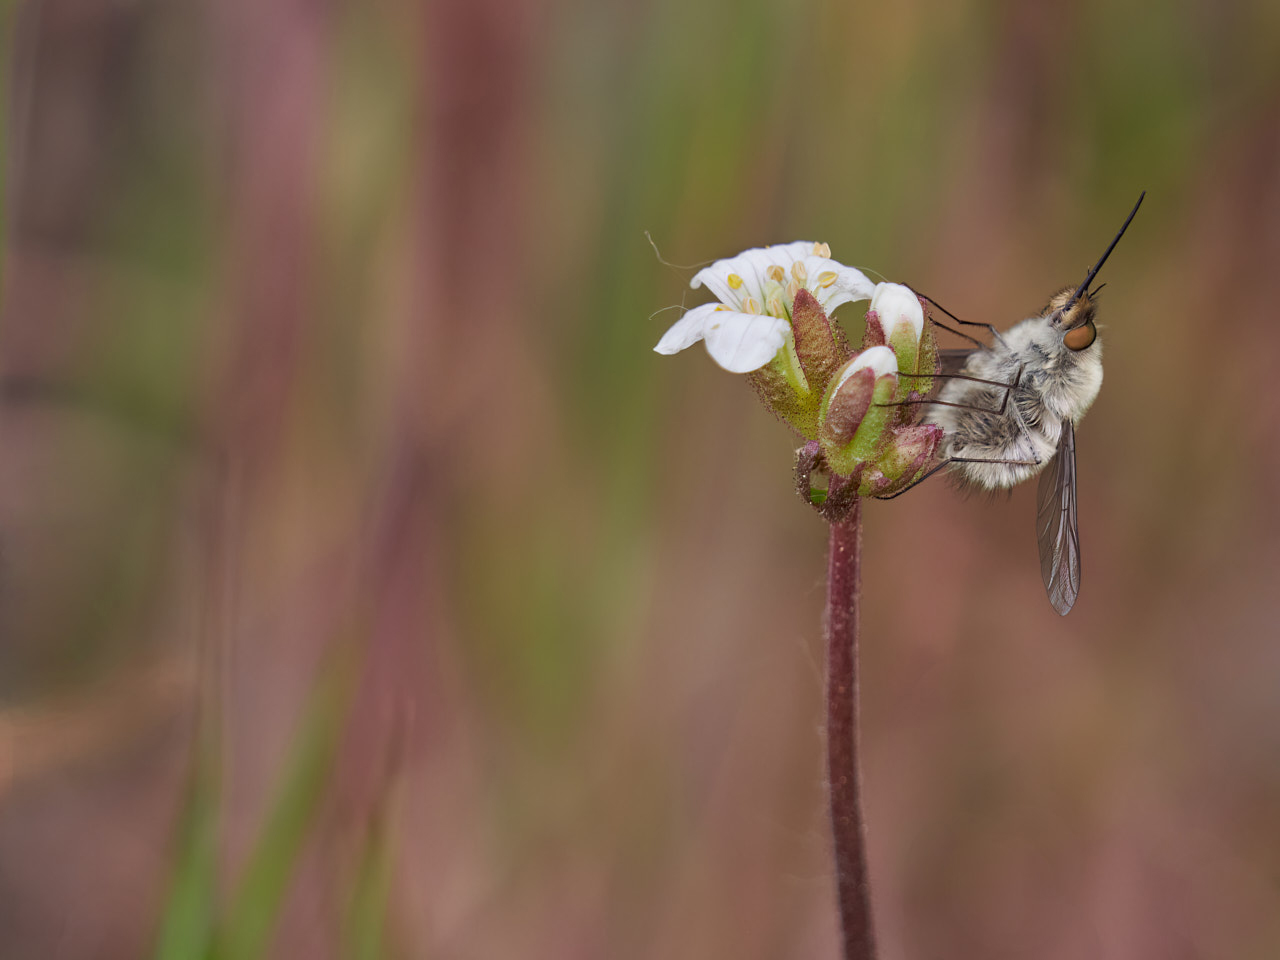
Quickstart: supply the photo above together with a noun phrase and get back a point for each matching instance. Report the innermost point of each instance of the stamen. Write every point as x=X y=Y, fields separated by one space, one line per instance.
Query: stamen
x=776 y=273
x=826 y=278
x=776 y=309
x=792 y=289
x=735 y=281
x=751 y=305
x=800 y=272
x=822 y=250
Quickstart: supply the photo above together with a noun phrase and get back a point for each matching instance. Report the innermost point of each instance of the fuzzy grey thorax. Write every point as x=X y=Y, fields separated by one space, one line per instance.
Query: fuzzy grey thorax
x=1056 y=379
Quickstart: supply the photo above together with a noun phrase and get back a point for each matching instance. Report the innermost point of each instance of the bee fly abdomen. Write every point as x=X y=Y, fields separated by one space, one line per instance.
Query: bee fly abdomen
x=1015 y=444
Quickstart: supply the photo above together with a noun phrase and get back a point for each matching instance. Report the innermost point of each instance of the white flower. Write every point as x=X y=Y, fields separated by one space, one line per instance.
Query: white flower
x=756 y=289
x=896 y=304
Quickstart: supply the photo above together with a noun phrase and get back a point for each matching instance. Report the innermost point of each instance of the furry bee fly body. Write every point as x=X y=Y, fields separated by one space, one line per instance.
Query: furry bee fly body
x=1009 y=413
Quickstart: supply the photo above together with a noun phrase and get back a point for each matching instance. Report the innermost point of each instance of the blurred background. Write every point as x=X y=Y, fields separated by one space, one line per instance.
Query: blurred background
x=369 y=589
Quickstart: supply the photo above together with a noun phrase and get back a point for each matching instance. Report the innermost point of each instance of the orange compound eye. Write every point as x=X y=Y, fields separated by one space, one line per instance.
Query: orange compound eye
x=1081 y=337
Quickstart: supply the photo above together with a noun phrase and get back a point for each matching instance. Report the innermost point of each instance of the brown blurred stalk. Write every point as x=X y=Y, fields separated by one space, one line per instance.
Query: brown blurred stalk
x=843 y=781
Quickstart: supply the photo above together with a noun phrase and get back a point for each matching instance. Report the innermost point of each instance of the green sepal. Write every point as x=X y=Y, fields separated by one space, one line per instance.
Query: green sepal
x=905 y=346
x=925 y=359
x=783 y=388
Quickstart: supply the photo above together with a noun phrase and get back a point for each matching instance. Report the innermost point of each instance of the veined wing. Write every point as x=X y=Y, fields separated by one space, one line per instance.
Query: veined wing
x=1057 y=528
x=953 y=359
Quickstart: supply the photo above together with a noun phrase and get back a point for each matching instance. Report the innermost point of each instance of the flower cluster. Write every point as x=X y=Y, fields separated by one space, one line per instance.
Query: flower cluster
x=855 y=409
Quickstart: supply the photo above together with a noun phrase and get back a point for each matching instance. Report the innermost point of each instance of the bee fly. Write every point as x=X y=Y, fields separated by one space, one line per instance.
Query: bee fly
x=1010 y=411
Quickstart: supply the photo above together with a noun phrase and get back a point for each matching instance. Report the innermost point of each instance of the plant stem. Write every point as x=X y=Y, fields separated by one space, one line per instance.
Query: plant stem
x=843 y=780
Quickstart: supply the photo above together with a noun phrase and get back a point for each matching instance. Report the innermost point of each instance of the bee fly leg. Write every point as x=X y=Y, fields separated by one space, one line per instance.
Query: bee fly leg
x=963 y=336
x=995 y=334
x=915 y=483
x=950 y=460
x=1015 y=463
x=964 y=376
x=1007 y=387
x=941 y=403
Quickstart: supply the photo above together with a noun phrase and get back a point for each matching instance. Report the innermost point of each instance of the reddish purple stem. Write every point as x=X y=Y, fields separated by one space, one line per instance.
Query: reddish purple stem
x=841 y=626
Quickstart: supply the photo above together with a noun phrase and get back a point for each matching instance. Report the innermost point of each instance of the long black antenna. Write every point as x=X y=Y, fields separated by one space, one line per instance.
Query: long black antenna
x=1103 y=259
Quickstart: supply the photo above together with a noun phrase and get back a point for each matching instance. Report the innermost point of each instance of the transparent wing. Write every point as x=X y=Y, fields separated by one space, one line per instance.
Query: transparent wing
x=1057 y=528
x=952 y=360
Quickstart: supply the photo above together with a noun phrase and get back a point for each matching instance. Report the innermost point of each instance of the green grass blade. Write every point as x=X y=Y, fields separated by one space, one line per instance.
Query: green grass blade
x=187 y=922
x=366 y=916
x=245 y=933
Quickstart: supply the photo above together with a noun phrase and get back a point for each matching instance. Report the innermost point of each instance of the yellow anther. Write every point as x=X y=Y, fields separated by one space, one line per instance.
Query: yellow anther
x=776 y=309
x=822 y=250
x=775 y=272
x=751 y=305
x=792 y=289
x=799 y=272
x=826 y=278
x=735 y=281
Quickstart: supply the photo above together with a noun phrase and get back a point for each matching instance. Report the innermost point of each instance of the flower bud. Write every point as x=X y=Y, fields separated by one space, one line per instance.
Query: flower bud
x=909 y=450
x=901 y=319
x=851 y=421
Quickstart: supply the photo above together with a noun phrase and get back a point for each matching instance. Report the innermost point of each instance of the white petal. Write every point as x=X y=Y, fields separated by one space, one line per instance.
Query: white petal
x=882 y=360
x=850 y=284
x=716 y=277
x=742 y=342
x=751 y=266
x=894 y=302
x=686 y=331
x=787 y=253
x=780 y=255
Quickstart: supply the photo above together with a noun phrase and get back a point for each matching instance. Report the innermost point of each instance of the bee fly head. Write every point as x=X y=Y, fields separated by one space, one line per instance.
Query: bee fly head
x=1073 y=311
